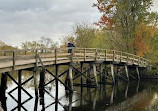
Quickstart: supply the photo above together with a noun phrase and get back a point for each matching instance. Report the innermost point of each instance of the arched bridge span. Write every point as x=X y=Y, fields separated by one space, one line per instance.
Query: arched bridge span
x=89 y=65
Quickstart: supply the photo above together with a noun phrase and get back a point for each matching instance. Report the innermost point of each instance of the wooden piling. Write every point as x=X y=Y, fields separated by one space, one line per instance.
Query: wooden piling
x=95 y=74
x=3 y=91
x=104 y=75
x=137 y=70
x=100 y=72
x=126 y=71
x=95 y=100
x=112 y=73
x=41 y=86
x=0 y=79
x=35 y=82
x=70 y=102
x=56 y=84
x=112 y=95
x=4 y=81
x=137 y=88
x=81 y=75
x=19 y=90
x=126 y=91
x=36 y=104
x=70 y=77
x=88 y=75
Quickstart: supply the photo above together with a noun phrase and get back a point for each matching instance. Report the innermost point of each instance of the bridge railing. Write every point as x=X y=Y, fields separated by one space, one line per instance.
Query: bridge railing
x=78 y=54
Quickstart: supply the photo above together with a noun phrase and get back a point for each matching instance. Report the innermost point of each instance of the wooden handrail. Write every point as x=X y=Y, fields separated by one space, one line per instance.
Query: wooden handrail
x=85 y=53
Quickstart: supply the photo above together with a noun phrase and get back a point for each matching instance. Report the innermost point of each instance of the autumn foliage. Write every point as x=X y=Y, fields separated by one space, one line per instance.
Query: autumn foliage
x=106 y=20
x=141 y=43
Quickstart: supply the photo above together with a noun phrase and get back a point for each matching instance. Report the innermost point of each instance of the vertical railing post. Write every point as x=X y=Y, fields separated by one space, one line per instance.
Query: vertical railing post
x=72 y=55
x=56 y=56
x=84 y=54
x=105 y=54
x=113 y=55
x=127 y=58
x=25 y=52
x=13 y=60
x=96 y=54
x=36 y=58
x=120 y=56
x=138 y=61
x=133 y=59
x=5 y=53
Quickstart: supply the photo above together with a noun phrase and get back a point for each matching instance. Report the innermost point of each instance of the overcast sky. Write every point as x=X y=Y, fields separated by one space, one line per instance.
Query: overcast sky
x=26 y=20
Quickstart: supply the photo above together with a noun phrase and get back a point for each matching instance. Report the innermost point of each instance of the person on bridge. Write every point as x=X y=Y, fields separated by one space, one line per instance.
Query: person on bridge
x=70 y=45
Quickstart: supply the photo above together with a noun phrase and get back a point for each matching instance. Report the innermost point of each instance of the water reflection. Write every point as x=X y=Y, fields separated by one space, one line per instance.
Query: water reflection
x=134 y=96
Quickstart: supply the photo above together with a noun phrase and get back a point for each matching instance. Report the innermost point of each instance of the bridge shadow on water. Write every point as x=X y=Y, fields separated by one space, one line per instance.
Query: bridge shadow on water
x=119 y=97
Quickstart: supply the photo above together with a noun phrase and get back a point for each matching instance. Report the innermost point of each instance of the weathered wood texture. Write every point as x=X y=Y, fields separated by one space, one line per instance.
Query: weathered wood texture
x=17 y=60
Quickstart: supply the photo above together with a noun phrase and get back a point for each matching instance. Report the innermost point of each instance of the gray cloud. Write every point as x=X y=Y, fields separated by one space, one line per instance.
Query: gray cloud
x=155 y=5
x=25 y=20
x=22 y=20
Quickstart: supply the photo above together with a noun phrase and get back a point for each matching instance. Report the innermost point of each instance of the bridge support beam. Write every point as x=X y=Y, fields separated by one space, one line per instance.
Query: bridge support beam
x=112 y=73
x=19 y=89
x=70 y=77
x=137 y=70
x=41 y=86
x=126 y=91
x=105 y=74
x=35 y=82
x=126 y=71
x=88 y=75
x=81 y=75
x=56 y=83
x=100 y=73
x=95 y=74
x=3 y=88
x=112 y=95
x=0 y=79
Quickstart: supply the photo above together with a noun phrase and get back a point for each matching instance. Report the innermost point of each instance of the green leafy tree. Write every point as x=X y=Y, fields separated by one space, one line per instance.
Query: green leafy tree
x=121 y=17
x=84 y=35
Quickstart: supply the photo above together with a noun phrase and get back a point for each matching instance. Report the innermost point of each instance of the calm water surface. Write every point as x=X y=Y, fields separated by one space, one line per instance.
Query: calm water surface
x=132 y=96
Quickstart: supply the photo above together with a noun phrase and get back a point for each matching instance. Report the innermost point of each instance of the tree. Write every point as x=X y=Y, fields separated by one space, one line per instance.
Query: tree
x=144 y=35
x=84 y=35
x=40 y=44
x=2 y=44
x=30 y=45
x=101 y=40
x=65 y=40
x=45 y=42
x=121 y=17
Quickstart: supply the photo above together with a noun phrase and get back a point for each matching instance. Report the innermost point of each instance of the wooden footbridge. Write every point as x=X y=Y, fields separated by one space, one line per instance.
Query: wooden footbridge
x=91 y=66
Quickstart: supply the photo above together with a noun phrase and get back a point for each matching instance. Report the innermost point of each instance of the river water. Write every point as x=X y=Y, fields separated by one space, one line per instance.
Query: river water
x=132 y=96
